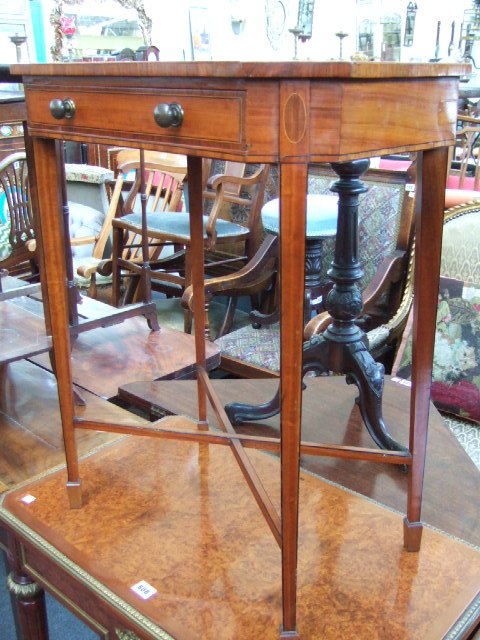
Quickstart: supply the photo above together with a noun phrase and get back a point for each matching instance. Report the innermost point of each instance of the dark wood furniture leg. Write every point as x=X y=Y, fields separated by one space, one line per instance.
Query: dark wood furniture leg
x=27 y=597
x=195 y=195
x=314 y=288
x=145 y=277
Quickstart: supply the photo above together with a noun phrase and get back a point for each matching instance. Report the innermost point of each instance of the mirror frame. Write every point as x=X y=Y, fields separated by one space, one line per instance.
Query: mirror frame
x=145 y=23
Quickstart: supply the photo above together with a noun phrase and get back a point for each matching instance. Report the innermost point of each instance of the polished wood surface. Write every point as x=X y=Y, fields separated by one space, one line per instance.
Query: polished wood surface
x=105 y=358
x=32 y=440
x=291 y=113
x=156 y=511
x=12 y=107
x=22 y=330
x=330 y=414
x=417 y=116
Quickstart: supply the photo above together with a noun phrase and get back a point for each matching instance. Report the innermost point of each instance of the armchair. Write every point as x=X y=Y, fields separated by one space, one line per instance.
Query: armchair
x=157 y=188
x=463 y=179
x=90 y=220
x=173 y=273
x=386 y=251
x=161 y=188
x=456 y=361
x=18 y=254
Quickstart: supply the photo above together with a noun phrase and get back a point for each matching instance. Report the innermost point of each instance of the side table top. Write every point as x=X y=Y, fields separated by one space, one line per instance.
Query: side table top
x=325 y=111
x=219 y=69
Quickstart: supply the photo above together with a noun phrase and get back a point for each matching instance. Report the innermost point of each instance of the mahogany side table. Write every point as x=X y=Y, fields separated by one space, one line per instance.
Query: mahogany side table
x=291 y=113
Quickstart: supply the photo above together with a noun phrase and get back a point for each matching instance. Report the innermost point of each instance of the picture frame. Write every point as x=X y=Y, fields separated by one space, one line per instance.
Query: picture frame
x=200 y=33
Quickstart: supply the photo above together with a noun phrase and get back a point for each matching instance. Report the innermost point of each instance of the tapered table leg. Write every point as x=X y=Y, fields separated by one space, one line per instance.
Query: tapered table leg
x=46 y=171
x=293 y=185
x=432 y=169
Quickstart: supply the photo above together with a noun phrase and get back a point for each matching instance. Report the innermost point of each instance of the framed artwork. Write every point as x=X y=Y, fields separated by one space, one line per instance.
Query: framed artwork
x=200 y=33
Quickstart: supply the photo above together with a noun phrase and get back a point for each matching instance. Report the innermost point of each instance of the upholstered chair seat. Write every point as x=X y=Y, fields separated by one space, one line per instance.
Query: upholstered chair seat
x=175 y=226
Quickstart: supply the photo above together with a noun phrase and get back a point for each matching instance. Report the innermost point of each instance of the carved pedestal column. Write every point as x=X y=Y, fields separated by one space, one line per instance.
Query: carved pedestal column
x=343 y=347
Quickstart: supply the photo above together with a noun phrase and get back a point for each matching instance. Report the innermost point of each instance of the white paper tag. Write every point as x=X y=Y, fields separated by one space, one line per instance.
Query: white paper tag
x=406 y=383
x=144 y=590
x=28 y=499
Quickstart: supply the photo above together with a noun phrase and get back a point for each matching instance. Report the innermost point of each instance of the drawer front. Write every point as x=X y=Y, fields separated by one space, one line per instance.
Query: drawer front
x=209 y=117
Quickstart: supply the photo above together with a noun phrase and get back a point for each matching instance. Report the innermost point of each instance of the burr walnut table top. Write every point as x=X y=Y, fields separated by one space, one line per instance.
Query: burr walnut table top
x=156 y=511
x=330 y=414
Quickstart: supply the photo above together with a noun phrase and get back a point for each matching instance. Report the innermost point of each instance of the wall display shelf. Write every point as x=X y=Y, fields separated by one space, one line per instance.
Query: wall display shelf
x=293 y=114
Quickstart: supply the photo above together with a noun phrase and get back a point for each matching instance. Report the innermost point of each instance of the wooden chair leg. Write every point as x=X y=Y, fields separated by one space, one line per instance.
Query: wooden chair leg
x=227 y=323
x=187 y=314
x=117 y=249
x=92 y=289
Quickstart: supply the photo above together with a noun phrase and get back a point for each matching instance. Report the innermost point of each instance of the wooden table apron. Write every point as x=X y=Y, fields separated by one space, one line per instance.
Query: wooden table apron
x=292 y=113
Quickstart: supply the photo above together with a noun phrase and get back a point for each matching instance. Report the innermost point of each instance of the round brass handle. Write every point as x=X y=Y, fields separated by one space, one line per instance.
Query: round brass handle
x=168 y=115
x=62 y=108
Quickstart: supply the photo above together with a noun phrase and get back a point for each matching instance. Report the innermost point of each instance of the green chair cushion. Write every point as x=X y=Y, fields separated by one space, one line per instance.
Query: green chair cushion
x=322 y=213
x=177 y=224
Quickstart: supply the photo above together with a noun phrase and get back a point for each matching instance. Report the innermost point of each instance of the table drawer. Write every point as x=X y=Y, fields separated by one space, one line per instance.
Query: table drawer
x=208 y=116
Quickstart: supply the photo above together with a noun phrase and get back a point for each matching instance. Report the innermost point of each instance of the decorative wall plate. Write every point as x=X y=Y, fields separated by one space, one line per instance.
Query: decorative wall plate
x=276 y=13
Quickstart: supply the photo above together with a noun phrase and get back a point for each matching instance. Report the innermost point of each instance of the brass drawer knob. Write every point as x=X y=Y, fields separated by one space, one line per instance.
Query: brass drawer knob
x=62 y=108
x=168 y=115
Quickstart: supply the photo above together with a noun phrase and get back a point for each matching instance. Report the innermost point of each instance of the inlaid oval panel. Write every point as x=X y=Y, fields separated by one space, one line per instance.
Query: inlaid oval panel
x=295 y=118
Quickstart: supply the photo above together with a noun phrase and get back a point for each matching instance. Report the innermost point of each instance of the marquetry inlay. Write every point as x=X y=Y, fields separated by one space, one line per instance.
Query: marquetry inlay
x=295 y=118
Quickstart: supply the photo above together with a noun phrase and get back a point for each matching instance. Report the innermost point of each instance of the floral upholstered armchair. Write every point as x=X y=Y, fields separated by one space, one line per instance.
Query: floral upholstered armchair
x=456 y=366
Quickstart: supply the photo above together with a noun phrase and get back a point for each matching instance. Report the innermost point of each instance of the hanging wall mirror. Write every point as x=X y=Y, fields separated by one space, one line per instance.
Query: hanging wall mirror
x=85 y=29
x=410 y=24
x=391 y=27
